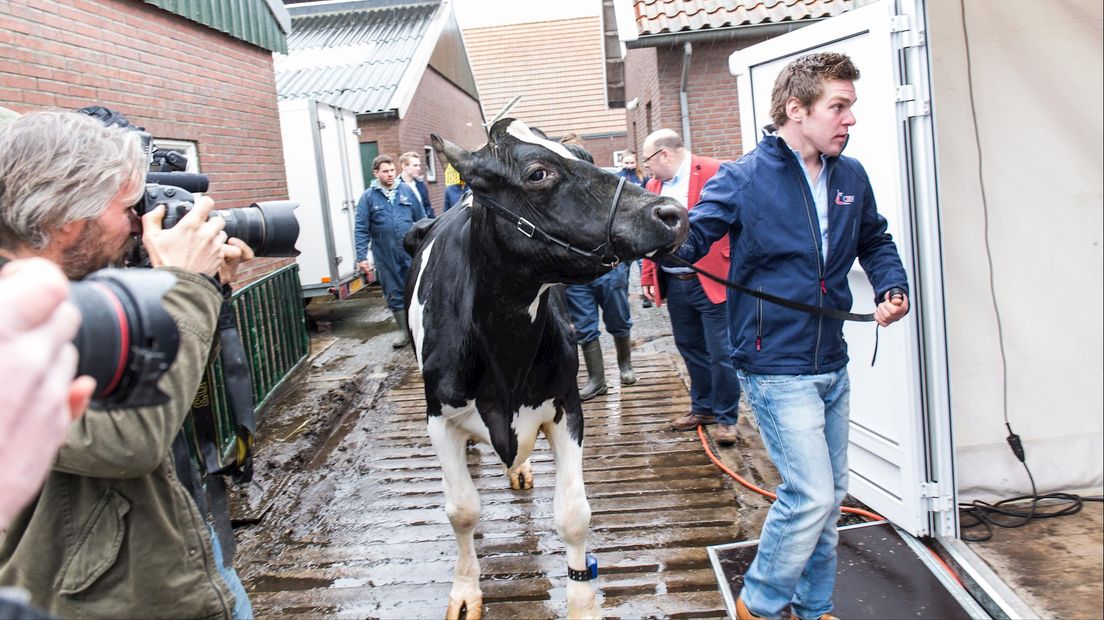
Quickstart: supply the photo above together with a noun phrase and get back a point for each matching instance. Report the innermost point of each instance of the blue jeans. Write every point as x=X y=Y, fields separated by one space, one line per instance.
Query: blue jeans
x=243 y=609
x=611 y=292
x=700 y=329
x=803 y=420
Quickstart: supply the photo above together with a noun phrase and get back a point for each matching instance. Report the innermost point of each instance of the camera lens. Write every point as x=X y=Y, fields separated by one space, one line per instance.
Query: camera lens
x=127 y=340
x=270 y=228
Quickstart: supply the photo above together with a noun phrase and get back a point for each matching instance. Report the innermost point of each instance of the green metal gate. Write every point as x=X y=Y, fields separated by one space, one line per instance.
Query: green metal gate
x=273 y=329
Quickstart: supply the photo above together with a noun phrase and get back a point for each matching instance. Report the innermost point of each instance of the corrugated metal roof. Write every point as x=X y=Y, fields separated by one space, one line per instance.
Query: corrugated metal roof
x=252 y=21
x=352 y=59
x=556 y=66
x=655 y=17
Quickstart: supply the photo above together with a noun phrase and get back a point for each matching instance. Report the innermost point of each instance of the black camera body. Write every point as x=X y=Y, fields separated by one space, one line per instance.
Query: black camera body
x=269 y=227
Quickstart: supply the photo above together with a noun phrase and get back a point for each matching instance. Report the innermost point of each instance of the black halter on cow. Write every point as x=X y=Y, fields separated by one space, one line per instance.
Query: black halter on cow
x=493 y=342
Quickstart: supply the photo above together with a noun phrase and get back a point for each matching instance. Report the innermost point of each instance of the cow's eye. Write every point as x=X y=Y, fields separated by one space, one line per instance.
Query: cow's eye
x=538 y=175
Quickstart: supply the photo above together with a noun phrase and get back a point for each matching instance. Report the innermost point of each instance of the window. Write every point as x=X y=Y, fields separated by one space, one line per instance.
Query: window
x=184 y=147
x=429 y=164
x=617 y=155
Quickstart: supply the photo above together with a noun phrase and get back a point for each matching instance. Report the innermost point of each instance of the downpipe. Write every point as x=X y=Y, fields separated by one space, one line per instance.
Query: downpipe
x=684 y=102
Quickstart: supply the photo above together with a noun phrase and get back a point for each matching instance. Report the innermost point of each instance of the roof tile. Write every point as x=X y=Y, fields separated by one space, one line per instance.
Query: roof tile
x=655 y=17
x=351 y=59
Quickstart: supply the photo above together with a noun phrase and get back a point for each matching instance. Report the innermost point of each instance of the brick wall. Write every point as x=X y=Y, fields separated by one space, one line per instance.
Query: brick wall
x=654 y=75
x=439 y=107
x=177 y=78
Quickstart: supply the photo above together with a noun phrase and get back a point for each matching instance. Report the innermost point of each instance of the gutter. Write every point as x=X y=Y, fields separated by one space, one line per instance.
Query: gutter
x=684 y=103
x=376 y=116
x=719 y=34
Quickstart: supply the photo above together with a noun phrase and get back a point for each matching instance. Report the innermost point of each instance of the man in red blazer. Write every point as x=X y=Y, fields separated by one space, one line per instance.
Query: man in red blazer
x=696 y=304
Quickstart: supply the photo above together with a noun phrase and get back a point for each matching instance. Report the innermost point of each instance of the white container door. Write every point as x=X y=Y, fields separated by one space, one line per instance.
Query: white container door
x=887 y=449
x=332 y=142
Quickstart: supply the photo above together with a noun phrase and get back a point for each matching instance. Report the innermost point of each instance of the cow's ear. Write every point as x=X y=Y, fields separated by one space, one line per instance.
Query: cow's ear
x=480 y=170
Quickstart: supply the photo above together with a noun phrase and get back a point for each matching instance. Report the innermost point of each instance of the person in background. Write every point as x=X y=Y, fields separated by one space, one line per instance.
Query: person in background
x=632 y=175
x=384 y=214
x=609 y=291
x=629 y=169
x=114 y=533
x=455 y=188
x=696 y=304
x=411 y=165
x=793 y=365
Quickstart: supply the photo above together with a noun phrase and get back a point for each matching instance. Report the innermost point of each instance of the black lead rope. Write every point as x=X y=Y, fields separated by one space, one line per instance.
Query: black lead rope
x=529 y=229
x=830 y=313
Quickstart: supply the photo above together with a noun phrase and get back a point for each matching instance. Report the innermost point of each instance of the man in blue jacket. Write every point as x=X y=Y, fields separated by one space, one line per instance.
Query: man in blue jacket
x=384 y=213
x=798 y=214
x=410 y=165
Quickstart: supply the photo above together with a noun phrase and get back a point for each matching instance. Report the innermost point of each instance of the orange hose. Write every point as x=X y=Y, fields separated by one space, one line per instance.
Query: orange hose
x=858 y=511
x=712 y=457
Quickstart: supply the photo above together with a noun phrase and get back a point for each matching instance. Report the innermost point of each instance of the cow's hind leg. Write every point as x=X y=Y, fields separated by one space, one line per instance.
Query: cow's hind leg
x=572 y=514
x=462 y=507
x=521 y=477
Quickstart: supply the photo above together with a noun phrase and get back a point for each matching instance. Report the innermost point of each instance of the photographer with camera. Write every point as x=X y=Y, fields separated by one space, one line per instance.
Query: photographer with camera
x=114 y=533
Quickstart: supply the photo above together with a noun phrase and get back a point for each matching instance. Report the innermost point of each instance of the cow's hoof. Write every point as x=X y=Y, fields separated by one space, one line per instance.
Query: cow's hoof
x=465 y=608
x=522 y=477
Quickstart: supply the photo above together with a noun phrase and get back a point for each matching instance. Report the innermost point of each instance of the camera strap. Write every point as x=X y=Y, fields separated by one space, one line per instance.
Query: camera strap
x=239 y=390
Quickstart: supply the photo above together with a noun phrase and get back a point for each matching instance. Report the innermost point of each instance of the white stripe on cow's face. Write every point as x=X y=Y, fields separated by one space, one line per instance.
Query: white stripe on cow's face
x=522 y=132
x=527 y=421
x=417 y=308
x=533 y=307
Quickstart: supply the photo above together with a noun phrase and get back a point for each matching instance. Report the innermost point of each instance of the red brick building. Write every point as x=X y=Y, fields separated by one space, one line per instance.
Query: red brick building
x=202 y=83
x=557 y=68
x=400 y=65
x=666 y=40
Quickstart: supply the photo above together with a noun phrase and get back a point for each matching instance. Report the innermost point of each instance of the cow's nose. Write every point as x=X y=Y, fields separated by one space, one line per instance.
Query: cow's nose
x=672 y=216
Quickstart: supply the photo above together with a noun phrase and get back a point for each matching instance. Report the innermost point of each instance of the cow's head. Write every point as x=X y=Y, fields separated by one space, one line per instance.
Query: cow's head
x=568 y=199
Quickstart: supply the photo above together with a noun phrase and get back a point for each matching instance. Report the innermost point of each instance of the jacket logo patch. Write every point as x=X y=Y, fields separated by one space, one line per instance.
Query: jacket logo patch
x=842 y=200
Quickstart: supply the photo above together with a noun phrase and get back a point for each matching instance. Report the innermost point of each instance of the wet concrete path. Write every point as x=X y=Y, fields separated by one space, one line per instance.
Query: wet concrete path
x=345 y=518
x=374 y=540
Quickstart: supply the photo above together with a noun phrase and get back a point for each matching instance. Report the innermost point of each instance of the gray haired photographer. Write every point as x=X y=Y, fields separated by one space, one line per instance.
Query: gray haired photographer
x=114 y=533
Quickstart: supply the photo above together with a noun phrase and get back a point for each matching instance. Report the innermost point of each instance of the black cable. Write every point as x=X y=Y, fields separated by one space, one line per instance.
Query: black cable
x=979 y=513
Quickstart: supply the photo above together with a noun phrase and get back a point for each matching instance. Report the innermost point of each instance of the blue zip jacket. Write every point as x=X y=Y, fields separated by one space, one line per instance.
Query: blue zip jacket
x=764 y=204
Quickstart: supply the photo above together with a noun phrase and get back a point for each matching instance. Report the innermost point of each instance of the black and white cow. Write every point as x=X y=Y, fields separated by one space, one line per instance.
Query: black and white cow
x=493 y=342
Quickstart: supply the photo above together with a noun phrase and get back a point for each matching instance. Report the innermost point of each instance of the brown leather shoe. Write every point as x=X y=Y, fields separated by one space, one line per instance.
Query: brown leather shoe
x=742 y=612
x=724 y=434
x=692 y=420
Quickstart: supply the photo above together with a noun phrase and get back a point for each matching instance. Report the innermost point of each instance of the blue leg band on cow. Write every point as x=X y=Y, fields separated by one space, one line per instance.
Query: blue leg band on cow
x=590 y=572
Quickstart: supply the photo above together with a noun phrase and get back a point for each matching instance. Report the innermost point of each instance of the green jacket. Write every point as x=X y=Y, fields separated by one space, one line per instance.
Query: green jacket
x=114 y=534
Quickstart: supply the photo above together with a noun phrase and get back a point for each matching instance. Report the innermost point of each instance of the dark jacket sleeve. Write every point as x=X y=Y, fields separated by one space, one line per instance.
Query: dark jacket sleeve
x=876 y=250
x=362 y=229
x=423 y=191
x=714 y=214
x=128 y=443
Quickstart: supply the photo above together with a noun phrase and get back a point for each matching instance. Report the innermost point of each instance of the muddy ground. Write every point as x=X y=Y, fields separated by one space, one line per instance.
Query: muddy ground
x=345 y=518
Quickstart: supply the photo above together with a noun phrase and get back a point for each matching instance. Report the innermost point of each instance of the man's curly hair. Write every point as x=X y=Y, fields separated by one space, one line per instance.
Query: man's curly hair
x=804 y=78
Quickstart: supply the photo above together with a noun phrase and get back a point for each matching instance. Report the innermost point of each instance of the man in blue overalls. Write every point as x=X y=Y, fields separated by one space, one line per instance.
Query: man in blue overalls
x=384 y=213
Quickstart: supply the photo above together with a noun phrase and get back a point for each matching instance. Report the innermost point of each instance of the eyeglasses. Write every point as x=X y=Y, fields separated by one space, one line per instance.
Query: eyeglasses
x=649 y=158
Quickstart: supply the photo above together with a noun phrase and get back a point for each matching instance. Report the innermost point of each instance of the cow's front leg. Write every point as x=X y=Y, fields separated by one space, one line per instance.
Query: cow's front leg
x=572 y=514
x=521 y=477
x=462 y=507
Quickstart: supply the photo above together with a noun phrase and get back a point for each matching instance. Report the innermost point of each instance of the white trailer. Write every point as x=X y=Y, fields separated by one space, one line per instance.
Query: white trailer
x=322 y=157
x=1002 y=253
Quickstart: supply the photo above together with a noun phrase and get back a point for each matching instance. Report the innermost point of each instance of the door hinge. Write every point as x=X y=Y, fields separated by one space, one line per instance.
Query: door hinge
x=937 y=501
x=910 y=37
x=906 y=94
